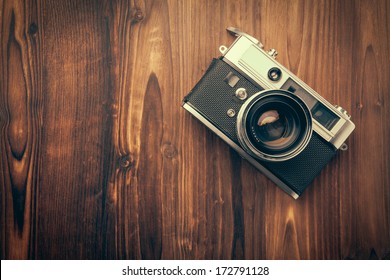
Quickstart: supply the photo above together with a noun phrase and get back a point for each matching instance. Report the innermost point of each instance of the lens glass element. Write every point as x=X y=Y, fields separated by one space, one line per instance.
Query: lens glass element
x=273 y=127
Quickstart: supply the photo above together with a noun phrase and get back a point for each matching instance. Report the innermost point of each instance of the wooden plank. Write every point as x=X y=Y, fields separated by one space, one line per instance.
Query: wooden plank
x=99 y=161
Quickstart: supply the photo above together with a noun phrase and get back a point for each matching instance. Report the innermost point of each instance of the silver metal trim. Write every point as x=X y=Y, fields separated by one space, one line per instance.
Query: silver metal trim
x=231 y=113
x=222 y=49
x=344 y=147
x=239 y=150
x=273 y=53
x=237 y=32
x=241 y=93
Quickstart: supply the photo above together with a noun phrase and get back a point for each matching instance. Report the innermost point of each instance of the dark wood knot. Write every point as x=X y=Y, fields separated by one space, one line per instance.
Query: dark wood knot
x=359 y=106
x=138 y=16
x=169 y=150
x=126 y=161
x=33 y=28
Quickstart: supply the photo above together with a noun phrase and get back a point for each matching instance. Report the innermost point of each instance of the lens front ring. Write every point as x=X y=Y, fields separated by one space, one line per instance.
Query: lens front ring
x=258 y=150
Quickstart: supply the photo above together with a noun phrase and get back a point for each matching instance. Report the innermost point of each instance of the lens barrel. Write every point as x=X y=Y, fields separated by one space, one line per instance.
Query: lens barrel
x=274 y=125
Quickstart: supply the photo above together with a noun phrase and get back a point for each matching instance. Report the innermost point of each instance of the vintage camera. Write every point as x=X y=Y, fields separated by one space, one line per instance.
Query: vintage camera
x=268 y=115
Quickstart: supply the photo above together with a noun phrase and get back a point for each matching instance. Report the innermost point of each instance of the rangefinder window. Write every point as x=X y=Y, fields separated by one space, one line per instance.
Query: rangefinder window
x=324 y=116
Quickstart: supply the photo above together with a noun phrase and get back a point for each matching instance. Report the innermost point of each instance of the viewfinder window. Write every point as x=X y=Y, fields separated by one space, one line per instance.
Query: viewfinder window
x=324 y=116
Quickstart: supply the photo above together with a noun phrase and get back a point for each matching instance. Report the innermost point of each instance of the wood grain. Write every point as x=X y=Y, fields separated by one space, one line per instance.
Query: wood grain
x=99 y=161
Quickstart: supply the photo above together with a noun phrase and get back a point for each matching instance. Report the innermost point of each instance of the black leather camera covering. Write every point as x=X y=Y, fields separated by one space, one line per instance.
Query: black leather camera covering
x=212 y=97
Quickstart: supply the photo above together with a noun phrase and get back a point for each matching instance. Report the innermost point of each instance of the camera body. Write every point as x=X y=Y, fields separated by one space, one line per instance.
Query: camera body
x=268 y=115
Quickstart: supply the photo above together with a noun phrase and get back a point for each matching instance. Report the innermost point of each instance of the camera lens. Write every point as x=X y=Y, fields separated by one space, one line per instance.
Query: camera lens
x=274 y=125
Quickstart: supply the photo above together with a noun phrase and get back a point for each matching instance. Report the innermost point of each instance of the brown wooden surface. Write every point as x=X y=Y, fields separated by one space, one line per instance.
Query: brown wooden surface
x=98 y=160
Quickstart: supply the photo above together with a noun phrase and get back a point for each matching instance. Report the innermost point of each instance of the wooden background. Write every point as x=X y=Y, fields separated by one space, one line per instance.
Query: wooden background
x=99 y=161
